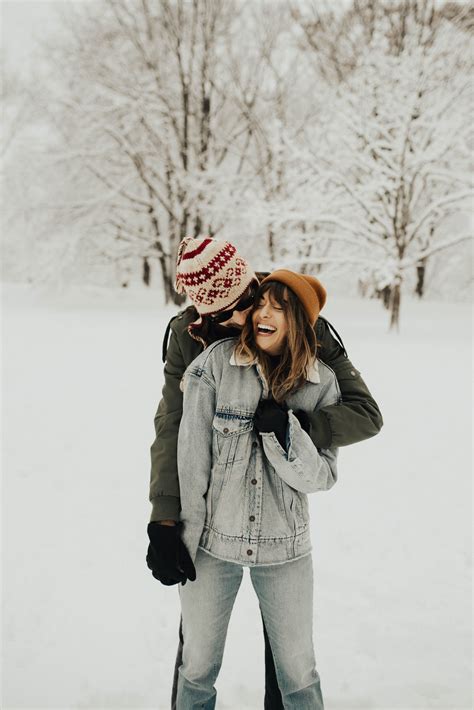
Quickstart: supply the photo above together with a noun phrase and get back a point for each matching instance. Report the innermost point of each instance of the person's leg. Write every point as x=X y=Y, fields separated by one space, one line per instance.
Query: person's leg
x=178 y=662
x=206 y=606
x=285 y=593
x=273 y=699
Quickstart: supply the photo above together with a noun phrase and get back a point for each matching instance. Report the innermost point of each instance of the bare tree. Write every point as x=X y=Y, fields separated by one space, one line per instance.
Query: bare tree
x=148 y=114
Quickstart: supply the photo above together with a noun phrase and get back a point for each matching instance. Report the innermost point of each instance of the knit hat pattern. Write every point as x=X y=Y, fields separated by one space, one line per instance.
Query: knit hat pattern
x=308 y=289
x=212 y=274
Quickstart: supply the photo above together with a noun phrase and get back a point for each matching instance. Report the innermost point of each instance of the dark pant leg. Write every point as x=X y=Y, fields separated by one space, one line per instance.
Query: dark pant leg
x=179 y=662
x=273 y=699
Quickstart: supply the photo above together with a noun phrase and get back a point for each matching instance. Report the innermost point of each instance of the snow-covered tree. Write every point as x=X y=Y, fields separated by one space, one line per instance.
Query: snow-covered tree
x=325 y=137
x=403 y=164
x=400 y=143
x=148 y=114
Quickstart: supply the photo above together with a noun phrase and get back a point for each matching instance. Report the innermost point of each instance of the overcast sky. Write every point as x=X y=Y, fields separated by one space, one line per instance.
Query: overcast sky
x=22 y=22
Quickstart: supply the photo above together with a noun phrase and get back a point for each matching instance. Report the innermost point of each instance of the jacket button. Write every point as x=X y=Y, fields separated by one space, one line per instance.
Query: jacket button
x=252 y=518
x=226 y=431
x=352 y=372
x=249 y=552
x=254 y=444
x=253 y=481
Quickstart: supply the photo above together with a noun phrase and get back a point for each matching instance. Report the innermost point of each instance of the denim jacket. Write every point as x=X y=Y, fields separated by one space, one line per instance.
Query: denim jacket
x=243 y=498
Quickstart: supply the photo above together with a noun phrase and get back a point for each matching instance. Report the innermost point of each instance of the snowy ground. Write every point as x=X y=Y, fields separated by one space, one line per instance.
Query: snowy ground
x=85 y=625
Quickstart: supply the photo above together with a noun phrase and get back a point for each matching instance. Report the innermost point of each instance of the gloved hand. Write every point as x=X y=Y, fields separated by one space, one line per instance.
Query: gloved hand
x=271 y=416
x=167 y=556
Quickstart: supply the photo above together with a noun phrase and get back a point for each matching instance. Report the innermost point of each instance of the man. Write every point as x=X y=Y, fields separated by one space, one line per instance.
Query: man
x=222 y=287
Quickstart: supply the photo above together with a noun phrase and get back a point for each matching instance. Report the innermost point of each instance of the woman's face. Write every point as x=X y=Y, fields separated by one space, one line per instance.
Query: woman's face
x=270 y=326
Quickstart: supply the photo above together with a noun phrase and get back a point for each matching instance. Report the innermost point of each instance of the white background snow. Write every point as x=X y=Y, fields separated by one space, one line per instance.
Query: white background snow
x=86 y=626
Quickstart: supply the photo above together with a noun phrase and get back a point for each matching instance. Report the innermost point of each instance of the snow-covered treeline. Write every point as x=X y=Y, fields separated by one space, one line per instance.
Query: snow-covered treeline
x=332 y=138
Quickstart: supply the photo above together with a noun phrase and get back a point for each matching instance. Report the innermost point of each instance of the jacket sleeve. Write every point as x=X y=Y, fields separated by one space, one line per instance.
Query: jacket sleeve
x=164 y=485
x=356 y=417
x=195 y=453
x=304 y=467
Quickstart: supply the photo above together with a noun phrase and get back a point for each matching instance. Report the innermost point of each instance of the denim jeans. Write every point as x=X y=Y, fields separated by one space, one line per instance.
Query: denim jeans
x=285 y=594
x=272 y=698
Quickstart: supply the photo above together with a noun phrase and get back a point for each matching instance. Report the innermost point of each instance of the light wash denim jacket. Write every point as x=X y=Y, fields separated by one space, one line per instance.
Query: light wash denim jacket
x=243 y=498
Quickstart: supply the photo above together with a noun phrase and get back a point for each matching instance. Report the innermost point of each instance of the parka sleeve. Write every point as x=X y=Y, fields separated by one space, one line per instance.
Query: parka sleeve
x=303 y=466
x=195 y=453
x=164 y=485
x=357 y=416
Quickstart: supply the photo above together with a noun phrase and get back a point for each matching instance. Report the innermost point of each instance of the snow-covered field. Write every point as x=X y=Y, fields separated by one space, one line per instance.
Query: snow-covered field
x=86 y=626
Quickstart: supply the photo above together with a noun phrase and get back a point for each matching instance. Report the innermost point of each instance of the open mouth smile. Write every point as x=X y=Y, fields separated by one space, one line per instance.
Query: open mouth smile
x=265 y=329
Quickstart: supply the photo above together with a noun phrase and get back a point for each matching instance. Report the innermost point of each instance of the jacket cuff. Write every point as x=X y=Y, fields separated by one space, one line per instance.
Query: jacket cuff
x=321 y=433
x=165 y=508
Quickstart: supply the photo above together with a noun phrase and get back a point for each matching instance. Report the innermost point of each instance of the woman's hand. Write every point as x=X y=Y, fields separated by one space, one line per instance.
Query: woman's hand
x=272 y=417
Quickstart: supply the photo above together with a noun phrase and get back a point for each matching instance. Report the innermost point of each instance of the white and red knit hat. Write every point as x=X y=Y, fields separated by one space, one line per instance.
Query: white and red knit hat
x=211 y=273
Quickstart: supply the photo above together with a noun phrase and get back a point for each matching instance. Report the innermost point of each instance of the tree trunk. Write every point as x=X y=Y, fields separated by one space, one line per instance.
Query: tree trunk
x=271 y=244
x=183 y=225
x=385 y=295
x=395 y=305
x=420 y=277
x=197 y=226
x=146 y=272
x=167 y=276
x=171 y=296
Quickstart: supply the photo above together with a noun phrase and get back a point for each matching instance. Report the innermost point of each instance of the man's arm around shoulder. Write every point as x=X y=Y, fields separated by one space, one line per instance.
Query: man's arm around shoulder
x=357 y=416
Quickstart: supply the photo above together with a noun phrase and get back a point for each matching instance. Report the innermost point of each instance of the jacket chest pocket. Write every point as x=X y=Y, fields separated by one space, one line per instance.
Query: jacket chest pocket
x=230 y=437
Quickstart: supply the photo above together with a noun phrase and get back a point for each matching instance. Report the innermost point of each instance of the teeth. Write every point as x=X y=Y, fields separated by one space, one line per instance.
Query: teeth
x=266 y=328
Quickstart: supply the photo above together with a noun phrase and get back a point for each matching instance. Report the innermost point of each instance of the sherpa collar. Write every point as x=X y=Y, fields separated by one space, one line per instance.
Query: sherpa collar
x=312 y=373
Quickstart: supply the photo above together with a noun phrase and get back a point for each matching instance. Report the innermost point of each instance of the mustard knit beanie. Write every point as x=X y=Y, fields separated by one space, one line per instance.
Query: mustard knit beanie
x=308 y=289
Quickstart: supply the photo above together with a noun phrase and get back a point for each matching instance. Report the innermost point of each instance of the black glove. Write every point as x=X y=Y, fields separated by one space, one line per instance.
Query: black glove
x=271 y=416
x=167 y=556
x=303 y=419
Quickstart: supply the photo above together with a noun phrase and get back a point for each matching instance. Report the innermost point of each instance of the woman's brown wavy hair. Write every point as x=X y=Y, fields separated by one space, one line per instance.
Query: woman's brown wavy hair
x=289 y=372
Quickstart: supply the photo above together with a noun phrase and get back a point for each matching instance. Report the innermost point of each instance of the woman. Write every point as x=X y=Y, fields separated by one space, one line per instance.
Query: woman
x=245 y=466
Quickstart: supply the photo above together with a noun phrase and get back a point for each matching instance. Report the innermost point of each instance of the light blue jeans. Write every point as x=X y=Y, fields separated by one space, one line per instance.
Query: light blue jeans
x=285 y=594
